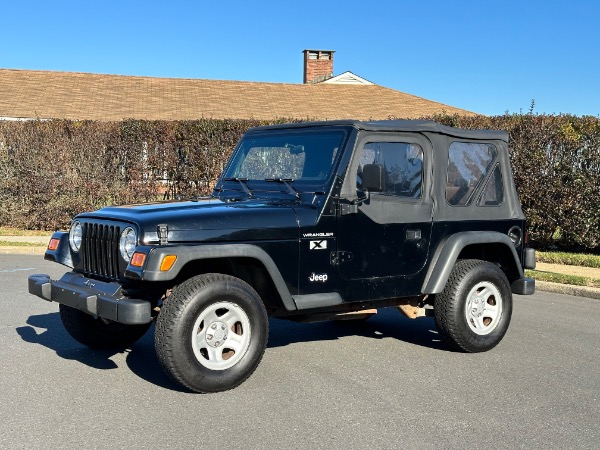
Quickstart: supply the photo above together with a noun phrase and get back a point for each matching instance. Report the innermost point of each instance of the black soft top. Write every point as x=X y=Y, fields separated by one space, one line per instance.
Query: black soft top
x=418 y=126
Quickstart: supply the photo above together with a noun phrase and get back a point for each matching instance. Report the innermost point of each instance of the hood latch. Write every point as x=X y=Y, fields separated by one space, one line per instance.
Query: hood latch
x=163 y=233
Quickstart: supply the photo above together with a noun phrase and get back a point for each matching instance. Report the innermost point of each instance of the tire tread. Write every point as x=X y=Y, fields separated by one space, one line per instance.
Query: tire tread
x=169 y=320
x=448 y=304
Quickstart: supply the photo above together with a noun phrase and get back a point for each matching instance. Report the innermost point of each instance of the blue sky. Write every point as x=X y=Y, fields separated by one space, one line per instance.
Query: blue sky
x=489 y=57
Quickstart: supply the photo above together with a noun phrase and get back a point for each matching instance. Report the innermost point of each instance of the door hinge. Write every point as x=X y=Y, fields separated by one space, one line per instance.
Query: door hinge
x=337 y=258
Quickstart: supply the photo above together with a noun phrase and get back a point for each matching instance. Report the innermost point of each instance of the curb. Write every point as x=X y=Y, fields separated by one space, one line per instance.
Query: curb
x=568 y=289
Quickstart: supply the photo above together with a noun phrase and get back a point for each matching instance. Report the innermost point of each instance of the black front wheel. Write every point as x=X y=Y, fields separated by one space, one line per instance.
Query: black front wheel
x=211 y=333
x=98 y=333
x=473 y=311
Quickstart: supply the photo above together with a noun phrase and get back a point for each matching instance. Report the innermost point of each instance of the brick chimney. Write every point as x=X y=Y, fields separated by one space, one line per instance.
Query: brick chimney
x=318 y=65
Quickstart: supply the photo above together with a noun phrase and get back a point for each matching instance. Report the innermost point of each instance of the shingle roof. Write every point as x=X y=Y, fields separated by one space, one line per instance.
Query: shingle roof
x=82 y=96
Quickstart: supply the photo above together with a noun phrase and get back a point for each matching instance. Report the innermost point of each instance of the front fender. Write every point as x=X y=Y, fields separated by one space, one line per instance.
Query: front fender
x=448 y=251
x=185 y=254
x=62 y=253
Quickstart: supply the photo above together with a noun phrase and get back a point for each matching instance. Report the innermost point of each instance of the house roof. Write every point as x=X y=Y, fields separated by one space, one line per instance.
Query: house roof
x=86 y=96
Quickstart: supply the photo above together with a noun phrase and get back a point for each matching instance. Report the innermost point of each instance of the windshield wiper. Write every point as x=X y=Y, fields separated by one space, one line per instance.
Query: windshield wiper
x=242 y=182
x=286 y=182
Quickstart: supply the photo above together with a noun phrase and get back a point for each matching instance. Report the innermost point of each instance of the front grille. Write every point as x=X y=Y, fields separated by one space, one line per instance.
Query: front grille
x=101 y=250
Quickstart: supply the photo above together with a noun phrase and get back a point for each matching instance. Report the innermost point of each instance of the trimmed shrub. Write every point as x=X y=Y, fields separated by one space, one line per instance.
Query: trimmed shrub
x=52 y=170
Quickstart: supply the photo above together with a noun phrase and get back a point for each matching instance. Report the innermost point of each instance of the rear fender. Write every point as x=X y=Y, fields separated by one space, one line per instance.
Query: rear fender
x=449 y=250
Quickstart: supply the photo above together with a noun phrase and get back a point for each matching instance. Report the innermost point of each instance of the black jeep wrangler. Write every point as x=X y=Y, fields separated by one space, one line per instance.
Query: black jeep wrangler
x=310 y=221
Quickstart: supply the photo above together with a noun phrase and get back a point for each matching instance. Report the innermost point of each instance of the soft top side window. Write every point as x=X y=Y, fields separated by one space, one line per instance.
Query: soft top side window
x=403 y=167
x=468 y=165
x=493 y=193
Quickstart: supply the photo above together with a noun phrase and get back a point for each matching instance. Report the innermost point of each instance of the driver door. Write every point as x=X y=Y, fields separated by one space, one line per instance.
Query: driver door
x=384 y=238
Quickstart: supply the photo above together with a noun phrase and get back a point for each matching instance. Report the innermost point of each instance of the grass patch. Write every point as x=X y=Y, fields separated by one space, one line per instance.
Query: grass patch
x=571 y=259
x=20 y=244
x=7 y=231
x=562 y=278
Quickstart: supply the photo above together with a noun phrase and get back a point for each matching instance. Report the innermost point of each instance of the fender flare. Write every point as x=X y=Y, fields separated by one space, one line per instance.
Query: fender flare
x=188 y=253
x=448 y=251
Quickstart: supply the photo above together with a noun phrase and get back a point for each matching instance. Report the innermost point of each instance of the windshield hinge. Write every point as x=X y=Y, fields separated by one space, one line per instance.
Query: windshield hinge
x=163 y=233
x=348 y=208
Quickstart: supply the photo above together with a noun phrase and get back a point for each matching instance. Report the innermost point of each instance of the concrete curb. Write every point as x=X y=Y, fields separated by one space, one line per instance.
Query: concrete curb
x=568 y=289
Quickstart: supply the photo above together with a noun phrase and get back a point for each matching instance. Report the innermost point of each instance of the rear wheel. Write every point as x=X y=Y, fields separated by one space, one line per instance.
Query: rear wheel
x=473 y=311
x=211 y=333
x=99 y=333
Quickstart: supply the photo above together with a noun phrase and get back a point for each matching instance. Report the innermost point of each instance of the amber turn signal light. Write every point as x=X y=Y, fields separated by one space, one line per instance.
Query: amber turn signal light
x=53 y=245
x=138 y=259
x=167 y=262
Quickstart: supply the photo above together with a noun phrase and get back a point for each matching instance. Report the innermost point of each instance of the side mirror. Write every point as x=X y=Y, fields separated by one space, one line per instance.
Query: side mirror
x=373 y=178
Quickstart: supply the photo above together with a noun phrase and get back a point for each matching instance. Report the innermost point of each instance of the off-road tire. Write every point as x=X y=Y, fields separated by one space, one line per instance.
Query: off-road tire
x=98 y=333
x=477 y=292
x=211 y=361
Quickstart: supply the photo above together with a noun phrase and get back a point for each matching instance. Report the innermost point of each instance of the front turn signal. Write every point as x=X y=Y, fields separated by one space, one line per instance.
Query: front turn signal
x=167 y=263
x=138 y=259
x=53 y=244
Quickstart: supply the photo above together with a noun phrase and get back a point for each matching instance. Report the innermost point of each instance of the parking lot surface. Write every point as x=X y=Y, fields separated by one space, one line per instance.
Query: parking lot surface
x=384 y=383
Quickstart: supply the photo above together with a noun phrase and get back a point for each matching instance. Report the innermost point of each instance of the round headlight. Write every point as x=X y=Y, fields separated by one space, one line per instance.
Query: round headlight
x=127 y=243
x=75 y=236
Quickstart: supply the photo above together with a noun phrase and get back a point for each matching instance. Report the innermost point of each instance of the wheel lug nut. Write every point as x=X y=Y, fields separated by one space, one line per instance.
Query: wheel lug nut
x=217 y=343
x=225 y=337
x=223 y=327
x=209 y=337
x=214 y=326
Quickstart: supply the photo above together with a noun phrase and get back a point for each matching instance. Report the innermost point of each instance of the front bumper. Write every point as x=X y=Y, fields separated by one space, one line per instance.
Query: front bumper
x=91 y=296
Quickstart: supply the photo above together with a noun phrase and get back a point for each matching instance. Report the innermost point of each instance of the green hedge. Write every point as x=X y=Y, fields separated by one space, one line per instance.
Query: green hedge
x=52 y=170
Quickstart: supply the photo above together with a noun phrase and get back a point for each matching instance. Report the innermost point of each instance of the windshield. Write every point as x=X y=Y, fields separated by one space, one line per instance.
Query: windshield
x=302 y=157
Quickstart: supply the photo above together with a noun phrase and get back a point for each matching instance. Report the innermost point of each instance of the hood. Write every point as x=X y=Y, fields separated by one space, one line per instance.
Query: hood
x=208 y=220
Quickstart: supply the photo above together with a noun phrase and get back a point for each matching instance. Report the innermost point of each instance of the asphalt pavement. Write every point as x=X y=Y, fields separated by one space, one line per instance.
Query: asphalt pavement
x=385 y=383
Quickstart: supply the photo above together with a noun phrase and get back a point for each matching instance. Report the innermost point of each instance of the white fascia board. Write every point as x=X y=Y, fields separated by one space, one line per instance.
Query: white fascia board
x=347 y=78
